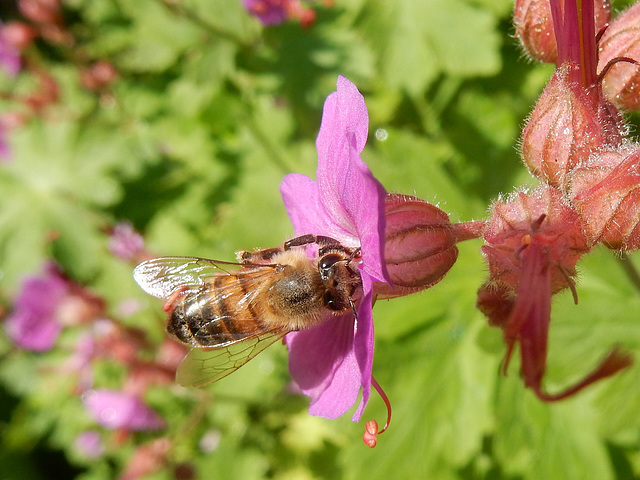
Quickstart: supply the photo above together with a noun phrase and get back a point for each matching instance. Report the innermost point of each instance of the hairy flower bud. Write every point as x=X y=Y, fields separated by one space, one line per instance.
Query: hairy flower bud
x=543 y=216
x=98 y=75
x=534 y=27
x=621 y=84
x=605 y=190
x=567 y=124
x=420 y=245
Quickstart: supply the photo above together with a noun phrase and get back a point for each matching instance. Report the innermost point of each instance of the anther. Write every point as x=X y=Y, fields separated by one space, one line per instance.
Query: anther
x=370 y=436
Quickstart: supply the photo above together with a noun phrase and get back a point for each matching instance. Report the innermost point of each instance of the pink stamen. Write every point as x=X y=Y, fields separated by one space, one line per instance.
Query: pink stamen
x=370 y=436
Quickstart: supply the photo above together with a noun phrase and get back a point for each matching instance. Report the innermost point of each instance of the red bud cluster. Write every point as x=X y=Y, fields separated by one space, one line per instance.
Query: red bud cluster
x=98 y=75
x=575 y=143
x=533 y=244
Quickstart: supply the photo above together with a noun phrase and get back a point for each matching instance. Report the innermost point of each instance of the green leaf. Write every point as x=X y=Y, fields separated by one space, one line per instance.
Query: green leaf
x=156 y=37
x=417 y=41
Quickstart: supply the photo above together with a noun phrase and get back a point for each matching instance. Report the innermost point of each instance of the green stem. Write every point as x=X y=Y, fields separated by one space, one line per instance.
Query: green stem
x=630 y=269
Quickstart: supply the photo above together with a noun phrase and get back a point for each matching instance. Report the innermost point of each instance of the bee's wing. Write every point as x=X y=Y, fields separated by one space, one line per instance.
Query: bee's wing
x=160 y=277
x=203 y=366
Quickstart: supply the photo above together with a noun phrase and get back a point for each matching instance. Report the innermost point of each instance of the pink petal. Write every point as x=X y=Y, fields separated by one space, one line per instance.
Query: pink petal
x=33 y=324
x=305 y=208
x=363 y=343
x=323 y=364
x=113 y=409
x=364 y=202
x=32 y=332
x=350 y=194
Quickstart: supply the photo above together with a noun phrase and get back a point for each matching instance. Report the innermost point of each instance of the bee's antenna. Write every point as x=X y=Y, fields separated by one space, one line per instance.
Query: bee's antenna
x=354 y=254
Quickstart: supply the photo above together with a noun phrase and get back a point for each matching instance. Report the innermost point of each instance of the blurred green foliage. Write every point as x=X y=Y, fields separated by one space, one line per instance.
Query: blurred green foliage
x=208 y=113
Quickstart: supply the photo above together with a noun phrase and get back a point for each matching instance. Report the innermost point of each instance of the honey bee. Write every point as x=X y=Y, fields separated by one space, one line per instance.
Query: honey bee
x=228 y=317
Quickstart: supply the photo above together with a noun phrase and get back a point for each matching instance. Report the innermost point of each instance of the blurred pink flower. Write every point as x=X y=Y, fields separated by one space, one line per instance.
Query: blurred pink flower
x=275 y=12
x=9 y=54
x=5 y=150
x=147 y=459
x=269 y=12
x=114 y=409
x=89 y=443
x=331 y=363
x=125 y=243
x=33 y=324
x=79 y=363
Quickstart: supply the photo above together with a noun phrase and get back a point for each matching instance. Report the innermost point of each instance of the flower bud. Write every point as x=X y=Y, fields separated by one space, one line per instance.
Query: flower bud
x=98 y=75
x=496 y=300
x=420 y=245
x=605 y=190
x=41 y=11
x=534 y=27
x=542 y=217
x=567 y=124
x=47 y=93
x=621 y=84
x=18 y=34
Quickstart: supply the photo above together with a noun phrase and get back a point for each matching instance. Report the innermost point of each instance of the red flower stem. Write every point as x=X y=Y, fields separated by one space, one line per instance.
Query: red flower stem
x=615 y=361
x=386 y=401
x=469 y=230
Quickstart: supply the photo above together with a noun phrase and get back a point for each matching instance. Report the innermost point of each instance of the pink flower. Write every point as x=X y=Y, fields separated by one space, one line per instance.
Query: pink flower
x=5 y=149
x=9 y=54
x=89 y=443
x=269 y=12
x=125 y=243
x=113 y=409
x=331 y=363
x=275 y=12
x=147 y=459
x=33 y=325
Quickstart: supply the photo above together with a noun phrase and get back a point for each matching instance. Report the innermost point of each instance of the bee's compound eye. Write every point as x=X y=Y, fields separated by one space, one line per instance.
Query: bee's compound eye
x=326 y=262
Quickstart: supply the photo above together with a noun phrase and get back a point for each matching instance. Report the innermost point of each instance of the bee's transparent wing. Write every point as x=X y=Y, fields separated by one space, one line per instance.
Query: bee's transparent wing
x=203 y=366
x=160 y=277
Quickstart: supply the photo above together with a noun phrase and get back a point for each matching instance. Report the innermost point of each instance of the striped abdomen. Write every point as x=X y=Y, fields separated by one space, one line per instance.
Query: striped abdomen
x=220 y=312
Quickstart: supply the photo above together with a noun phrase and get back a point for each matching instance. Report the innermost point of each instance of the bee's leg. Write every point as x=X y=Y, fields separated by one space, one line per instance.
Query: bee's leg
x=309 y=238
x=257 y=257
x=265 y=255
